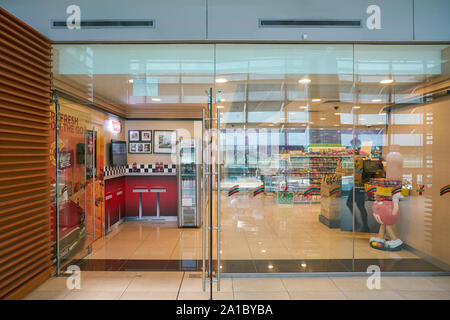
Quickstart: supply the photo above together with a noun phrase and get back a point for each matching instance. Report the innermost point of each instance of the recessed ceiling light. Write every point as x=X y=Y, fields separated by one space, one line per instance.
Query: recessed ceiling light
x=376 y=100
x=221 y=80
x=156 y=99
x=386 y=81
x=270 y=266
x=263 y=251
x=315 y=100
x=323 y=118
x=219 y=107
x=130 y=81
x=303 y=265
x=337 y=114
x=356 y=107
x=304 y=80
x=303 y=107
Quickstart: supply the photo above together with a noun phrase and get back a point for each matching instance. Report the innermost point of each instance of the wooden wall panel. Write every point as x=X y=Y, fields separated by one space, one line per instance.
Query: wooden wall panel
x=25 y=219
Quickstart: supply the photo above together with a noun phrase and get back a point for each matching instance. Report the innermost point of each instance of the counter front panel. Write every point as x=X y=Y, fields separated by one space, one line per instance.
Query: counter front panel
x=168 y=200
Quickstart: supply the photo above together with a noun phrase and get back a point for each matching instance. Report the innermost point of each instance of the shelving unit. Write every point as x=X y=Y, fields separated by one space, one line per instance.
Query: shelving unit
x=304 y=172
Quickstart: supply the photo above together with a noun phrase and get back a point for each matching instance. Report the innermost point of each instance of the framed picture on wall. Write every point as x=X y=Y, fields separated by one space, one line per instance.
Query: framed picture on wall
x=164 y=141
x=146 y=135
x=140 y=147
x=132 y=147
x=133 y=135
x=147 y=147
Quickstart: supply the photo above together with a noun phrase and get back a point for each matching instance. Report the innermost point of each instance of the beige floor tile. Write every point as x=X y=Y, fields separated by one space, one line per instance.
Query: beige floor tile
x=440 y=282
x=54 y=284
x=204 y=295
x=153 y=284
x=373 y=295
x=357 y=283
x=195 y=284
x=425 y=295
x=92 y=295
x=258 y=284
x=317 y=295
x=46 y=295
x=108 y=284
x=108 y=274
x=412 y=283
x=264 y=295
x=309 y=284
x=176 y=275
x=142 y=295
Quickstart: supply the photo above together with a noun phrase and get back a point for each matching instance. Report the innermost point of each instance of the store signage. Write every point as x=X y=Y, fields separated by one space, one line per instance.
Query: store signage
x=116 y=126
x=66 y=123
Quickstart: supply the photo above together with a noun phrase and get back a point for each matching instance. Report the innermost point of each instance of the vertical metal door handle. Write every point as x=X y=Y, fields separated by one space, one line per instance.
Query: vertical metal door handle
x=203 y=204
x=218 y=197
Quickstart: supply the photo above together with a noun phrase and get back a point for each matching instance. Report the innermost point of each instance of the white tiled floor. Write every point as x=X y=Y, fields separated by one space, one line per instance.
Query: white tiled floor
x=114 y=285
x=252 y=228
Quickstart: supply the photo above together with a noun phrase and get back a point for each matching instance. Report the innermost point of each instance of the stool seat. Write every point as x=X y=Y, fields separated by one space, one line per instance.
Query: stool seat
x=140 y=189
x=119 y=193
x=108 y=196
x=157 y=189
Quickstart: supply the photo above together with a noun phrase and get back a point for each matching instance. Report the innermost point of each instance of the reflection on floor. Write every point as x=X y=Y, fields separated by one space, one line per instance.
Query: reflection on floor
x=252 y=228
x=184 y=285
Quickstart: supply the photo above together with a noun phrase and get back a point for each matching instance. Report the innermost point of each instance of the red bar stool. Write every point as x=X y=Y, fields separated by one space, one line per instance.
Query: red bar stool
x=158 y=190
x=108 y=196
x=140 y=190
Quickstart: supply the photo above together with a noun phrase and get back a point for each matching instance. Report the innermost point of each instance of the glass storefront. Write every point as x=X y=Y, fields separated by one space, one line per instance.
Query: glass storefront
x=333 y=157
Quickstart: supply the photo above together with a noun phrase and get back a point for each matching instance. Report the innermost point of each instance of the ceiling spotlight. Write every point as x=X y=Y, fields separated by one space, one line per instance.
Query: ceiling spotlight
x=386 y=81
x=221 y=80
x=156 y=99
x=270 y=266
x=337 y=114
x=356 y=107
x=219 y=107
x=376 y=100
x=263 y=251
x=303 y=265
x=303 y=107
x=323 y=118
x=130 y=81
x=304 y=80
x=315 y=100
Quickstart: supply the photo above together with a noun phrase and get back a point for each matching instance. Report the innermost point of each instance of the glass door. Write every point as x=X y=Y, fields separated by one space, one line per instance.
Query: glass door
x=286 y=169
x=76 y=203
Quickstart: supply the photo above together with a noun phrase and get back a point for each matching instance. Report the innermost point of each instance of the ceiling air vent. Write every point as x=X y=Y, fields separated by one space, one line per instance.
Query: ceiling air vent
x=272 y=23
x=106 y=24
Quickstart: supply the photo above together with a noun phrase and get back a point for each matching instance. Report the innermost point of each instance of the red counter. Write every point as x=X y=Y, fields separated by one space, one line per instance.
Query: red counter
x=117 y=202
x=129 y=201
x=167 y=200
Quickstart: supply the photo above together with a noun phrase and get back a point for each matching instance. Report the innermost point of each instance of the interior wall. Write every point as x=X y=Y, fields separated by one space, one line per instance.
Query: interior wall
x=184 y=128
x=424 y=219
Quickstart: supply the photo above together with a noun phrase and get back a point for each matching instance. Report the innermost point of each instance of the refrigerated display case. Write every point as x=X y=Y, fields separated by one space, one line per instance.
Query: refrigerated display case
x=188 y=175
